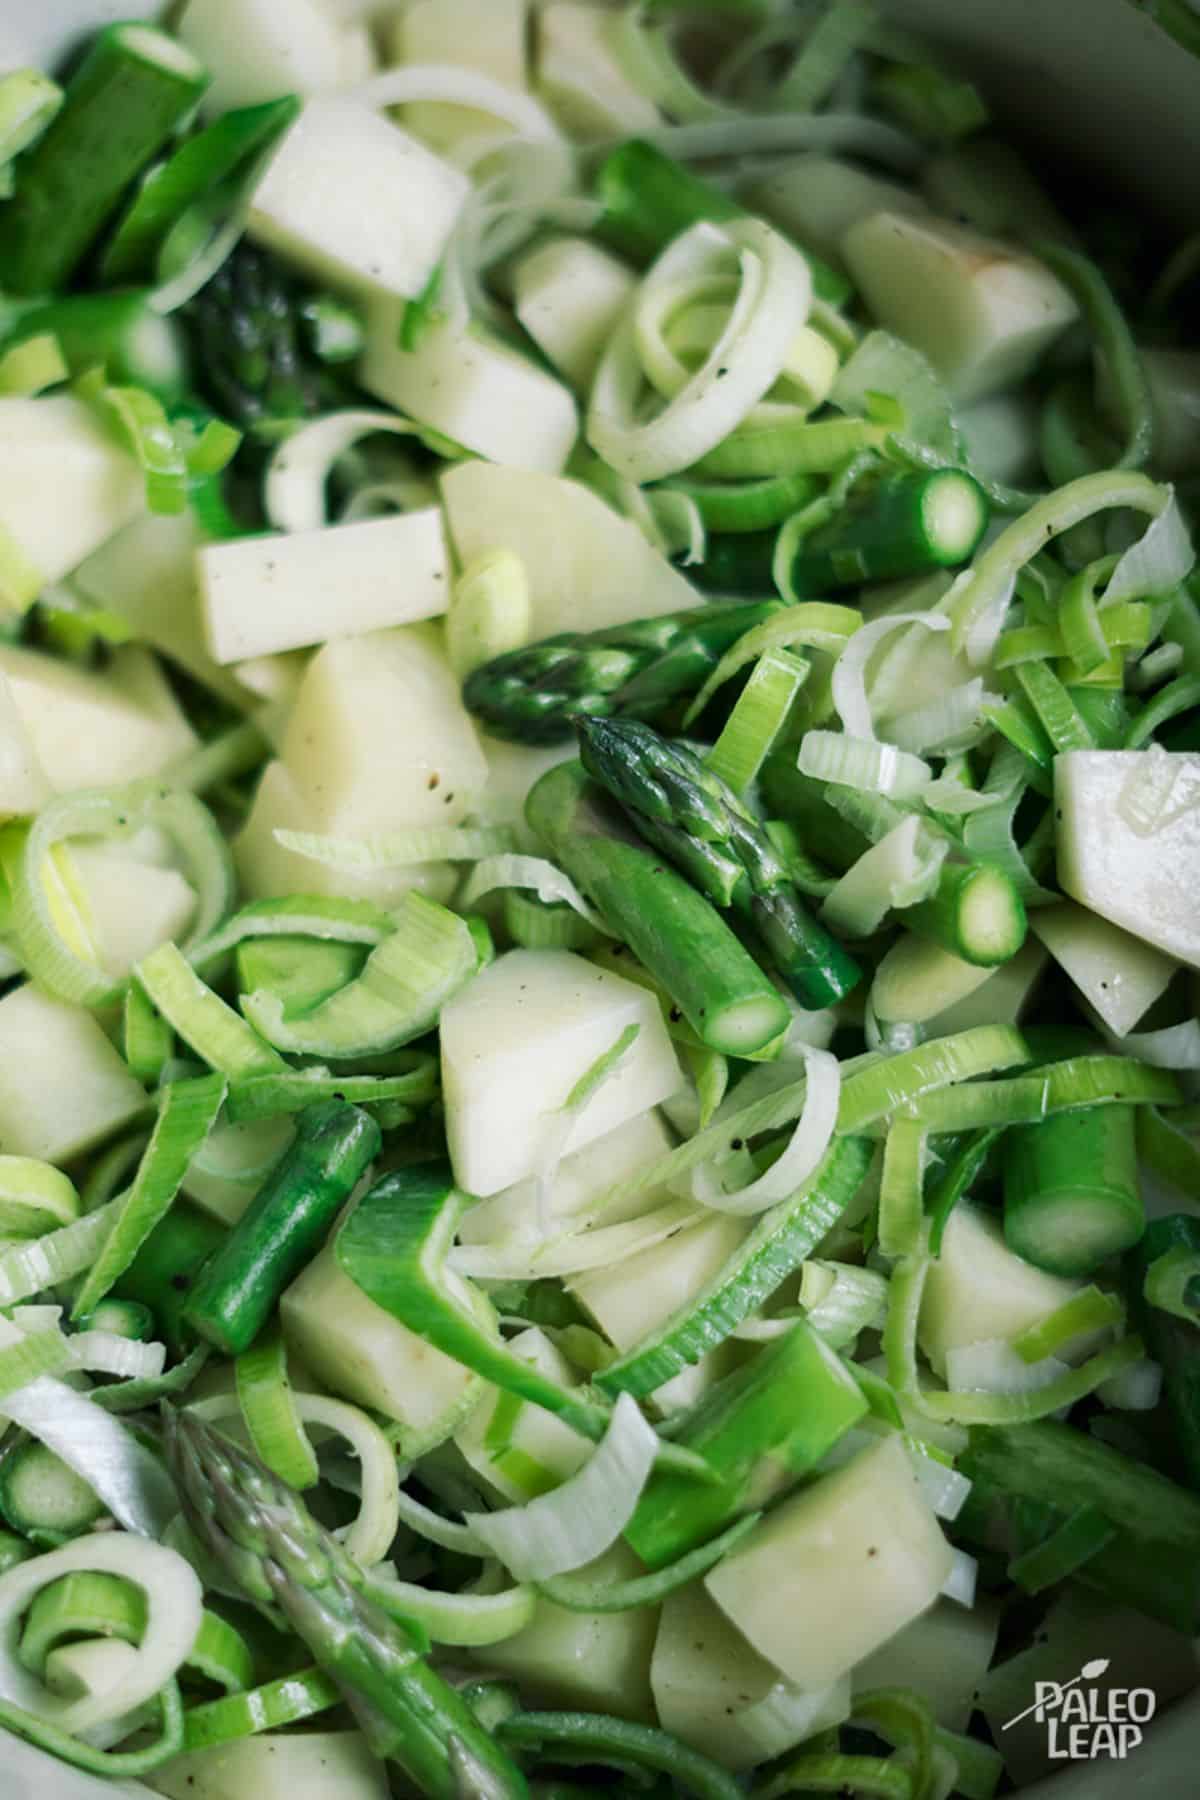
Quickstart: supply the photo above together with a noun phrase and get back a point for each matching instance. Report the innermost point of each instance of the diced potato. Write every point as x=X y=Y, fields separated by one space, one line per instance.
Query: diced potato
x=266 y=869
x=66 y=484
x=513 y=769
x=1001 y=437
x=359 y=1351
x=1118 y=974
x=488 y=36
x=131 y=906
x=944 y=1655
x=228 y=1170
x=587 y=567
x=306 y=1765
x=472 y=388
x=517 y=1039
x=539 y=1451
x=147 y=576
x=1003 y=999
x=982 y=311
x=23 y=784
x=642 y=1292
x=260 y=49
x=1143 y=876
x=282 y=592
x=580 y=76
x=590 y=1662
x=513 y=1215
x=978 y=1288
x=569 y=294
x=354 y=200
x=707 y=1678
x=63 y=1088
x=95 y=730
x=378 y=736
x=816 y=199
x=833 y=1572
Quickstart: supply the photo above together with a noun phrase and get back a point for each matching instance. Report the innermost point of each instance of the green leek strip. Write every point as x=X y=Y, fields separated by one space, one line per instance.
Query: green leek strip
x=398 y=849
x=33 y=366
x=900 y=1189
x=1017 y=722
x=1082 y=1535
x=29 y=101
x=116 y=1765
x=1079 y=618
x=977 y=609
x=187 y=1113
x=270 y=1415
x=221 y=1654
x=904 y=1720
x=816 y=624
x=270 y=1708
x=596 y=1737
x=1093 y=1080
x=291 y=1090
x=397 y=996
x=447 y=1533
x=1180 y=695
x=140 y=418
x=215 y=1032
x=147 y=1037
x=876 y=1092
x=464 y=1619
x=978 y=1767
x=781 y=1240
x=30 y=1268
x=136 y=1395
x=193 y=832
x=534 y=925
x=1029 y=643
x=791 y=447
x=1173 y=1283
x=39 y=1353
x=331 y=919
x=955 y=1182
x=1087 y=1311
x=108 y=1173
x=869 y=1777
x=745 y=505
x=234 y=752
x=88 y=1603
x=1021 y=1409
x=758 y=716
x=581 y=1593
x=34 y=1197
x=900 y=1327
x=1113 y=346
x=1054 y=707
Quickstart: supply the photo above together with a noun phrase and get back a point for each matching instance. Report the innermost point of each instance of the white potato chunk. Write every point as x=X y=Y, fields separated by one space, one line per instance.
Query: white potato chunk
x=978 y=1288
x=63 y=1088
x=260 y=49
x=1120 y=976
x=569 y=294
x=96 y=730
x=488 y=36
x=66 y=484
x=816 y=199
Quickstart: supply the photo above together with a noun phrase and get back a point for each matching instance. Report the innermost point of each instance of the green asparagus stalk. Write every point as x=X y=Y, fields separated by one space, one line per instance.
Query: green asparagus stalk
x=673 y=930
x=258 y=338
x=902 y=525
x=271 y=1547
x=738 y=562
x=648 y=199
x=130 y=92
x=29 y=101
x=635 y=671
x=697 y=820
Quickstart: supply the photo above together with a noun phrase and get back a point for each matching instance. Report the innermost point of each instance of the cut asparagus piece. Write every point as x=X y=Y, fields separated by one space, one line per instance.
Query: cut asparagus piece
x=1071 y=1196
x=132 y=89
x=672 y=929
x=905 y=525
x=636 y=671
x=696 y=819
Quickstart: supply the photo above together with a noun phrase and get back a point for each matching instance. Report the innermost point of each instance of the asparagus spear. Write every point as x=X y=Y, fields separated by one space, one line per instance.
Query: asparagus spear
x=637 y=671
x=268 y=1543
x=681 y=939
x=697 y=820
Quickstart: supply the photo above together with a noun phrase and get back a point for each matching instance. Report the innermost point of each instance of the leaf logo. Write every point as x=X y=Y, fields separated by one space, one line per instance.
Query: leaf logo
x=1092 y=1670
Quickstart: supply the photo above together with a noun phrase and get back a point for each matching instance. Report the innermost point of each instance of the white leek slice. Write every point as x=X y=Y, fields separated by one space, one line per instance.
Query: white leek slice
x=805 y=1148
x=547 y=882
x=863 y=763
x=581 y=1519
x=1157 y=562
x=942 y=727
x=123 y=1474
x=944 y=1487
x=294 y=491
x=174 y=1611
x=463 y=87
x=992 y=1366
x=573 y=1253
x=773 y=300
x=960 y=1583
x=901 y=869
x=849 y=682
x=106 y=1353
x=397 y=849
